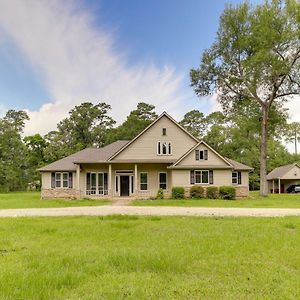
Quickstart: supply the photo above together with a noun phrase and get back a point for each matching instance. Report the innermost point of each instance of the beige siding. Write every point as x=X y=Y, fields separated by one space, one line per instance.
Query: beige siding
x=46 y=180
x=221 y=177
x=213 y=158
x=294 y=173
x=145 y=147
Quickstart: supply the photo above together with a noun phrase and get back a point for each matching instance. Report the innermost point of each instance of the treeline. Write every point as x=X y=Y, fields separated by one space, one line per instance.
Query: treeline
x=234 y=135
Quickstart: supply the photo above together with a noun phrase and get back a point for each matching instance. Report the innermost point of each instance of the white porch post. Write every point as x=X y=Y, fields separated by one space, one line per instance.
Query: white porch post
x=78 y=190
x=273 y=187
x=279 y=189
x=110 y=193
x=135 y=180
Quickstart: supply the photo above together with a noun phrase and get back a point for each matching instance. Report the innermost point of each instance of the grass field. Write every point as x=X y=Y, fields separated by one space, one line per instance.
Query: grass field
x=123 y=257
x=33 y=200
x=282 y=200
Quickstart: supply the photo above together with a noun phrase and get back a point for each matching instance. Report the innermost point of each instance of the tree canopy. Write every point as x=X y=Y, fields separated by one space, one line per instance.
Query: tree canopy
x=254 y=58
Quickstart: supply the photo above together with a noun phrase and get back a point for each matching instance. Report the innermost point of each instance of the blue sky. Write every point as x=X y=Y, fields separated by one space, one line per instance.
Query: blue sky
x=54 y=55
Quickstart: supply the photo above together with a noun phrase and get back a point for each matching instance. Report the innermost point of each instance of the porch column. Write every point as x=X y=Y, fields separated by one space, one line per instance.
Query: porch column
x=279 y=188
x=109 y=181
x=78 y=193
x=135 y=179
x=273 y=186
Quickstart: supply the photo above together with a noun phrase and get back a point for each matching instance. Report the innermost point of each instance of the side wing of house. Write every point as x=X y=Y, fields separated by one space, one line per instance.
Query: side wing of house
x=163 y=141
x=203 y=166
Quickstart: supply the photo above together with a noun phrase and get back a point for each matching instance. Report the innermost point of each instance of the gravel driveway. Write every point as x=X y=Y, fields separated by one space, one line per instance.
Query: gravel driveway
x=150 y=211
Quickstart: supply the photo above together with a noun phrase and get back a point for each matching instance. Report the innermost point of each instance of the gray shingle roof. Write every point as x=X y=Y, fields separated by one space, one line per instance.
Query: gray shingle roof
x=280 y=171
x=238 y=166
x=88 y=155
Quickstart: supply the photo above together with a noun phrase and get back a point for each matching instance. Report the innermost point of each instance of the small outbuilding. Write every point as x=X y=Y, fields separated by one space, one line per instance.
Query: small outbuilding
x=282 y=177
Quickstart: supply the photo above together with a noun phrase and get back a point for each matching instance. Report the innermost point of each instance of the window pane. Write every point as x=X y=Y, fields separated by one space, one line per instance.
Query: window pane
x=201 y=154
x=93 y=183
x=204 y=176
x=57 y=183
x=100 y=181
x=197 y=177
x=57 y=176
x=66 y=183
x=88 y=181
x=65 y=176
x=162 y=177
x=144 y=178
x=164 y=148
x=169 y=148
x=105 y=181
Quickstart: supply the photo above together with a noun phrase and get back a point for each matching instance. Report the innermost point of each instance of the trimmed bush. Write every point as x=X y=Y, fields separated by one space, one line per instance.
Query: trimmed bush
x=227 y=192
x=160 y=194
x=177 y=192
x=212 y=192
x=197 y=192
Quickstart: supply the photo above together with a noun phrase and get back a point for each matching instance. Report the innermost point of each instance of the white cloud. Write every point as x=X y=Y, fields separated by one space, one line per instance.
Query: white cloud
x=78 y=62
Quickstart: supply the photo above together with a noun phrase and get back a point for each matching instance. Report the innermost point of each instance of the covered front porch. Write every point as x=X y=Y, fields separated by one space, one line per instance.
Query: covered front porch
x=112 y=180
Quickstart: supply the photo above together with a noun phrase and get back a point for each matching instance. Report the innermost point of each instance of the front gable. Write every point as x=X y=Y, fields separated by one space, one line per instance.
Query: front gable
x=293 y=173
x=202 y=155
x=149 y=144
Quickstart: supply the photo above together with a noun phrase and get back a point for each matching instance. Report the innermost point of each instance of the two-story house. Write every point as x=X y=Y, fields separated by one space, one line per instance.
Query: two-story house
x=163 y=155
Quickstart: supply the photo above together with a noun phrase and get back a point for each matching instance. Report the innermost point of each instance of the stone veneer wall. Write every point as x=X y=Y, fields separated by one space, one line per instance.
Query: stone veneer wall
x=60 y=193
x=241 y=191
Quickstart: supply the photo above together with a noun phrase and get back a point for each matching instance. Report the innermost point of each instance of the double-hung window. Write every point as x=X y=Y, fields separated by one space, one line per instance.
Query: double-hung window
x=143 y=181
x=164 y=148
x=163 y=181
x=236 y=177
x=61 y=180
x=201 y=176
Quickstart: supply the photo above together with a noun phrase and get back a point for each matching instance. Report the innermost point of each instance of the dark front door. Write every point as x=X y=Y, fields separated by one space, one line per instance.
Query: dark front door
x=124 y=180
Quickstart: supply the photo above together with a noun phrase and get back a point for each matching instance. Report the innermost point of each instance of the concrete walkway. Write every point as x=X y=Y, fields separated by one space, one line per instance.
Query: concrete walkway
x=150 y=211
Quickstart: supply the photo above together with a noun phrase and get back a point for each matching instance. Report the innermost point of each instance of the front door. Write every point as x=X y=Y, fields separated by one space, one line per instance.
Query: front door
x=124 y=183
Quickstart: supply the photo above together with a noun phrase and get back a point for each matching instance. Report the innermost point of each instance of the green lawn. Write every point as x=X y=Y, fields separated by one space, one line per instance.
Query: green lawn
x=123 y=257
x=283 y=200
x=33 y=199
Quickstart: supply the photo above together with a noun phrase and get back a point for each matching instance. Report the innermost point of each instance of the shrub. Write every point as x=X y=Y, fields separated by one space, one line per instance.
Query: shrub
x=177 y=192
x=160 y=194
x=212 y=192
x=227 y=192
x=197 y=192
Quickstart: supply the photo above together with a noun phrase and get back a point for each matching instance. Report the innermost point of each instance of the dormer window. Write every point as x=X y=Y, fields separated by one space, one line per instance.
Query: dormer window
x=201 y=154
x=164 y=148
x=164 y=131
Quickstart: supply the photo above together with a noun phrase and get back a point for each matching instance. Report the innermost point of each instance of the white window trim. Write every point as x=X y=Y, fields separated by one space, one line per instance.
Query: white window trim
x=162 y=182
x=201 y=176
x=143 y=183
x=237 y=178
x=199 y=154
x=161 y=148
x=62 y=180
